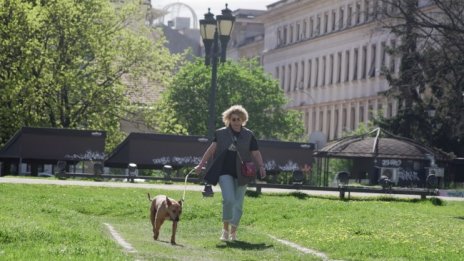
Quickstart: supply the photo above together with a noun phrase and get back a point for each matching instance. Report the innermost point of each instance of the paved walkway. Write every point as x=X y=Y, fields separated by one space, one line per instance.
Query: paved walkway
x=189 y=187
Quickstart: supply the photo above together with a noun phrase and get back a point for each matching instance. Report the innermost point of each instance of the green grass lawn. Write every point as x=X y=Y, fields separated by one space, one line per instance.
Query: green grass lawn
x=47 y=222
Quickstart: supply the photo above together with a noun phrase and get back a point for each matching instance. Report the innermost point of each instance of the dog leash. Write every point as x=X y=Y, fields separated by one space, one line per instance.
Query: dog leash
x=185 y=187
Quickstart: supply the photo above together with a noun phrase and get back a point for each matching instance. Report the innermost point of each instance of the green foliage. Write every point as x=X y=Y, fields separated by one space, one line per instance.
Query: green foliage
x=67 y=64
x=338 y=165
x=362 y=129
x=184 y=105
x=431 y=73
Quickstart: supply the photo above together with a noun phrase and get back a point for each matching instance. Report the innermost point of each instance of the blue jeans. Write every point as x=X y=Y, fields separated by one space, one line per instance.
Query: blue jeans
x=232 y=199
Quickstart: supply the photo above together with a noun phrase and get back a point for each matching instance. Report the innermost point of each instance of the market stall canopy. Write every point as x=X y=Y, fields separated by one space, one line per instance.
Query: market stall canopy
x=382 y=145
x=49 y=145
x=153 y=151
x=286 y=156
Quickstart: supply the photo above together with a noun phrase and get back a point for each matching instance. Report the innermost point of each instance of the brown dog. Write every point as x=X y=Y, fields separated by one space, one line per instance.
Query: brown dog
x=163 y=208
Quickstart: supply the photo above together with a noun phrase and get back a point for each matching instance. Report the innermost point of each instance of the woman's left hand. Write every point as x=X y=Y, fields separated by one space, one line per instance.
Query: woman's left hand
x=259 y=159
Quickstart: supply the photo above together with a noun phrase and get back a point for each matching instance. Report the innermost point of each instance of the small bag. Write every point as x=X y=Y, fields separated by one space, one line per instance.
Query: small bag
x=248 y=169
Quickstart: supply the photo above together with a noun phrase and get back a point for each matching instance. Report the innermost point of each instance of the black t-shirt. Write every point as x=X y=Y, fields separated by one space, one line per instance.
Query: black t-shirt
x=228 y=166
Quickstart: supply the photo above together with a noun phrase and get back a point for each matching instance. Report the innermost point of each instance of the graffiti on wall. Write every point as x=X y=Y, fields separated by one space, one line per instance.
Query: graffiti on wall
x=177 y=160
x=391 y=163
x=407 y=177
x=88 y=155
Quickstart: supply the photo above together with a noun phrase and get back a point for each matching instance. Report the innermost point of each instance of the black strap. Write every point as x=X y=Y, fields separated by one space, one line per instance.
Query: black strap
x=234 y=141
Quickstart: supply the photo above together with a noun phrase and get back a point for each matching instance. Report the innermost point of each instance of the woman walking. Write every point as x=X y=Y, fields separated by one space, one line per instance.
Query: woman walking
x=231 y=145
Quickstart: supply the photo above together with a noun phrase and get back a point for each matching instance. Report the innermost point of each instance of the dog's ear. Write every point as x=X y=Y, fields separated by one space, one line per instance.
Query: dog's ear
x=180 y=202
x=168 y=201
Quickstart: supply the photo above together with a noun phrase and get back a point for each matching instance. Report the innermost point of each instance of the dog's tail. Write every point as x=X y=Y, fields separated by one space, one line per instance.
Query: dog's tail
x=149 y=197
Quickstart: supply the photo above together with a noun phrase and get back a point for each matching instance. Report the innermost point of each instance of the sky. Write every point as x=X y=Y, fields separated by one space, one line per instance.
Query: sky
x=201 y=6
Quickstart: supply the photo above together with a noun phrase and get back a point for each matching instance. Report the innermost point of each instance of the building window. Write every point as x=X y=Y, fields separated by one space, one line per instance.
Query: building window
x=361 y=114
x=291 y=34
x=390 y=110
x=328 y=122
x=321 y=120
x=344 y=119
x=279 y=37
x=392 y=57
x=331 y=69
x=334 y=20
x=302 y=74
x=306 y=120
x=366 y=10
x=318 y=26
x=358 y=13
x=311 y=27
x=284 y=36
x=313 y=122
x=380 y=9
x=298 y=32
x=339 y=69
x=305 y=28
x=372 y=70
x=355 y=64
x=353 y=119
x=309 y=73
x=349 y=16
x=282 y=80
x=295 y=76
x=324 y=70
x=383 y=53
x=379 y=107
x=370 y=112
x=364 y=62
x=347 y=66
x=289 y=78
x=340 y=20
x=316 y=74
x=326 y=23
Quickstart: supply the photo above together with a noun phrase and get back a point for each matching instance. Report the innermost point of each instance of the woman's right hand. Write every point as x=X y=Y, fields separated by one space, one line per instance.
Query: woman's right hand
x=198 y=169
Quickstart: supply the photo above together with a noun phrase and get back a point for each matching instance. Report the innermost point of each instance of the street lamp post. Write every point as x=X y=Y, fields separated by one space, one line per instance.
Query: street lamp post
x=215 y=34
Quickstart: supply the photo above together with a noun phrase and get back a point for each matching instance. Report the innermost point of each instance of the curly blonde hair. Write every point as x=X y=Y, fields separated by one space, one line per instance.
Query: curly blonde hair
x=237 y=110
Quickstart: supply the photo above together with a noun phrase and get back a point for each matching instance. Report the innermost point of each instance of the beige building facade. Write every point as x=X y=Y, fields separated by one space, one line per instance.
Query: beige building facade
x=247 y=37
x=328 y=56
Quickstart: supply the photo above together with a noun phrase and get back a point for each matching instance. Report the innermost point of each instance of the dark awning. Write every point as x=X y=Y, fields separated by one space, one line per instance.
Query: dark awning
x=286 y=156
x=153 y=151
x=48 y=145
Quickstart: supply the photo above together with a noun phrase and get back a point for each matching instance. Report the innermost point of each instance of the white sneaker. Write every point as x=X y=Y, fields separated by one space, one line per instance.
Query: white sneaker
x=233 y=236
x=225 y=235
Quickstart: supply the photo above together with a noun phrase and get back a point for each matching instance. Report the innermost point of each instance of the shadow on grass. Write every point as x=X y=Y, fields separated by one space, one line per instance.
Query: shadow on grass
x=252 y=194
x=244 y=245
x=462 y=218
x=437 y=201
x=295 y=194
x=169 y=243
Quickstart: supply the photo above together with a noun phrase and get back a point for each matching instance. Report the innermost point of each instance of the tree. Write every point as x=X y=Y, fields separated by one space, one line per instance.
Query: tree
x=431 y=71
x=184 y=105
x=74 y=64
